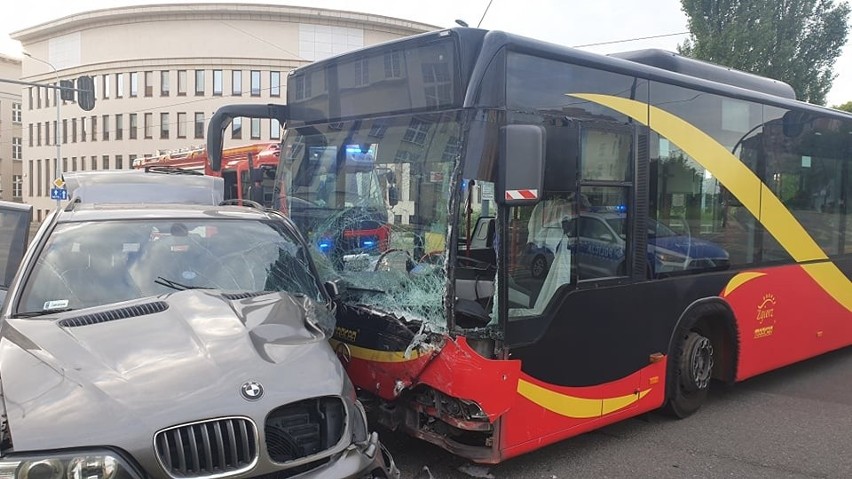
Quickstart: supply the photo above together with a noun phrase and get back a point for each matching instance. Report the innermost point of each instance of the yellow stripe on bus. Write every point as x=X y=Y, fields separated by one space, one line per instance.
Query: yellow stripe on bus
x=740 y=280
x=572 y=406
x=376 y=355
x=742 y=183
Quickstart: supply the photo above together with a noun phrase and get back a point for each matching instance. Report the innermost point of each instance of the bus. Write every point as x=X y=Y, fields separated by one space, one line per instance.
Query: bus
x=248 y=171
x=693 y=221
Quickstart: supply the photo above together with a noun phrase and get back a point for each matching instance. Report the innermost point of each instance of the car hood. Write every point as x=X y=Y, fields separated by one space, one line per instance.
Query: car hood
x=68 y=383
x=691 y=247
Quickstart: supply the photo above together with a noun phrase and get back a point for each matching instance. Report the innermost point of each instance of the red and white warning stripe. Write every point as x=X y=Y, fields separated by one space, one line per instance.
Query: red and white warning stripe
x=521 y=194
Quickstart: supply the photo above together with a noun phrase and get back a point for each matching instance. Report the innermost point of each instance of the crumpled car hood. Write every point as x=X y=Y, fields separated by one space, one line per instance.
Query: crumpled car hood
x=121 y=380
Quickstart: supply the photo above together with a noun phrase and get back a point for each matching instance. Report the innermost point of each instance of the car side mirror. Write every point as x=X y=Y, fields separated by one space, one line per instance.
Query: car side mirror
x=332 y=289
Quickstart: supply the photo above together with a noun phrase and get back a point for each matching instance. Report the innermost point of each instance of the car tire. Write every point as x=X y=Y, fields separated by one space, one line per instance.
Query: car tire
x=539 y=267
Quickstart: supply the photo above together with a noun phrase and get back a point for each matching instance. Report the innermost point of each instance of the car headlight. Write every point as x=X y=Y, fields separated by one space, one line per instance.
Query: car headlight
x=72 y=465
x=360 y=433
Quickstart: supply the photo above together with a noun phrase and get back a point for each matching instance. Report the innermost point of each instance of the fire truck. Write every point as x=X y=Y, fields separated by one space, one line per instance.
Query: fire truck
x=248 y=171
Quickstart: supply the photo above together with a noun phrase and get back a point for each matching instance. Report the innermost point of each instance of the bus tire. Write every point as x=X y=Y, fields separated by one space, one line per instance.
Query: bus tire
x=691 y=379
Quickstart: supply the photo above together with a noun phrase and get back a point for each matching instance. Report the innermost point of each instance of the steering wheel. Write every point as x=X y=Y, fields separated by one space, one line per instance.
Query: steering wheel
x=409 y=261
x=433 y=257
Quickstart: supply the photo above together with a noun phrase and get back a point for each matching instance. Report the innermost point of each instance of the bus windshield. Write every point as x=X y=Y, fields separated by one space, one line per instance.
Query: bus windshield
x=372 y=197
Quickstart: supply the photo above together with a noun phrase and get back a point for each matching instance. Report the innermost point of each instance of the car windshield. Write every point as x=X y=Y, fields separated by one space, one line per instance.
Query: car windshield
x=89 y=264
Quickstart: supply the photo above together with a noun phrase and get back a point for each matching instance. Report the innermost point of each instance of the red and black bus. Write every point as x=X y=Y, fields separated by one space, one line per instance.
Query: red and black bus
x=578 y=239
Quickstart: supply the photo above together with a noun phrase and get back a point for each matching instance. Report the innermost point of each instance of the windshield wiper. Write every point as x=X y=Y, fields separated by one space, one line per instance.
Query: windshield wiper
x=43 y=312
x=175 y=285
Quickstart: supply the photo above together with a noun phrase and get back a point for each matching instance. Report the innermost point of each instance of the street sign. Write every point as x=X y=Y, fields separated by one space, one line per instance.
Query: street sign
x=59 y=182
x=58 y=194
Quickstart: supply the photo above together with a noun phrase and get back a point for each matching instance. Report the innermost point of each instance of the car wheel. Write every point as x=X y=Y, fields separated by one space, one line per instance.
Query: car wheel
x=539 y=267
x=691 y=378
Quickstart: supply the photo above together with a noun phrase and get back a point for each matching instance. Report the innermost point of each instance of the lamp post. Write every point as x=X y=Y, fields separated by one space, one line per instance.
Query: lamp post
x=56 y=138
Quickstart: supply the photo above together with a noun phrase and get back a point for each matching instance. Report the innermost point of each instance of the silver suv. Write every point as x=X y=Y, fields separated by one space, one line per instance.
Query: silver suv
x=177 y=342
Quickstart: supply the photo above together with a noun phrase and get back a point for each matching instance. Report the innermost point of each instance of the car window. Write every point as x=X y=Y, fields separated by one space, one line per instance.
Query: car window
x=94 y=263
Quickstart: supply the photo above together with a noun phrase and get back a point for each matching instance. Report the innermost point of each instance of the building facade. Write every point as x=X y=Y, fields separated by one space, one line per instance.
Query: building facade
x=11 y=141
x=160 y=73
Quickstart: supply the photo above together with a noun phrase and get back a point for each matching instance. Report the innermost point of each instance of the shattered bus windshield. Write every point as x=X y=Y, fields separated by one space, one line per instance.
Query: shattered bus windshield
x=372 y=196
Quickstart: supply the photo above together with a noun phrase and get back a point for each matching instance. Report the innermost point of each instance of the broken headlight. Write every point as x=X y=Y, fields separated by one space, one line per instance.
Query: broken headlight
x=88 y=464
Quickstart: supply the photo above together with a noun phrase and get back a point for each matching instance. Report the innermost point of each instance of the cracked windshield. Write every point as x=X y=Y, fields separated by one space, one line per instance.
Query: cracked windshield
x=372 y=197
x=90 y=264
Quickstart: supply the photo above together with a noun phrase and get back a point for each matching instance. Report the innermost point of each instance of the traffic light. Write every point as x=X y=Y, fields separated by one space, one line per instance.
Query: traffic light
x=67 y=91
x=86 y=92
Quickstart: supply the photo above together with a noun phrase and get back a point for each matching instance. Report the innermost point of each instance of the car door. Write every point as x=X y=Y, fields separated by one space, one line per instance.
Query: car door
x=15 y=219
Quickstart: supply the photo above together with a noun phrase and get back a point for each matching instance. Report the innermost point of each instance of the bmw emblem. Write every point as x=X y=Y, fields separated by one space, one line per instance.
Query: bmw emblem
x=251 y=390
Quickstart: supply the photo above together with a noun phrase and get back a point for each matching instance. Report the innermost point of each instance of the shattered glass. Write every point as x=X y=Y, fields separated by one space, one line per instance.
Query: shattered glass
x=373 y=199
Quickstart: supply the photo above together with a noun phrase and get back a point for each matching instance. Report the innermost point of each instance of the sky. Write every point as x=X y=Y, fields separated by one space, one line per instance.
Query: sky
x=566 y=22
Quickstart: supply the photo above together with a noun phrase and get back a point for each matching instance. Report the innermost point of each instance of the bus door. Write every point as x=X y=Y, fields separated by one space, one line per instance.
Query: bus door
x=571 y=253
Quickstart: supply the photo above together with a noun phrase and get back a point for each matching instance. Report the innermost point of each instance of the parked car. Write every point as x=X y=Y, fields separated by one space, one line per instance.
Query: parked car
x=597 y=240
x=175 y=341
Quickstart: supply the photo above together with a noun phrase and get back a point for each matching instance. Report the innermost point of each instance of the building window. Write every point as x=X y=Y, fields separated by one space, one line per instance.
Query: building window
x=274 y=83
x=255 y=128
x=64 y=131
x=38 y=98
x=73 y=163
x=130 y=160
x=164 y=126
x=217 y=82
x=119 y=162
x=94 y=163
x=134 y=125
x=149 y=83
x=73 y=130
x=146 y=124
x=417 y=132
x=105 y=127
x=237 y=128
x=134 y=84
x=46 y=133
x=94 y=128
x=274 y=129
x=16 y=112
x=17 y=186
x=105 y=86
x=199 y=124
x=105 y=162
x=83 y=129
x=255 y=83
x=362 y=72
x=181 y=125
x=119 y=127
x=199 y=82
x=164 y=83
x=119 y=85
x=181 y=91
x=38 y=134
x=37 y=178
x=30 y=136
x=30 y=102
x=236 y=82
x=17 y=148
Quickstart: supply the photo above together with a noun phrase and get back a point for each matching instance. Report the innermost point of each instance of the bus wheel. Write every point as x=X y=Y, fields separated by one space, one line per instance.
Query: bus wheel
x=693 y=368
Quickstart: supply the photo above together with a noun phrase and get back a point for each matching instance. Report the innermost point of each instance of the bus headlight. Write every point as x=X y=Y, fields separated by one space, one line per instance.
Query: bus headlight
x=72 y=465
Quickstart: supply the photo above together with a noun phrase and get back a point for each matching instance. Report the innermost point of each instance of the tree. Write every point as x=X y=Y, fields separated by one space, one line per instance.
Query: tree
x=795 y=41
x=845 y=107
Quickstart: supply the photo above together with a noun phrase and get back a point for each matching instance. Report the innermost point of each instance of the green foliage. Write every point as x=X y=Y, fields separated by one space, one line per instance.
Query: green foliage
x=795 y=41
x=845 y=107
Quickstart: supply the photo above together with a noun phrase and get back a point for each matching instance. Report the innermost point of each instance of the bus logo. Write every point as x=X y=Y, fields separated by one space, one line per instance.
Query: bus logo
x=765 y=314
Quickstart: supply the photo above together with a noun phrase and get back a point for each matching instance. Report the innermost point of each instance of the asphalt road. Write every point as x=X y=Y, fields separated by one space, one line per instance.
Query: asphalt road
x=791 y=423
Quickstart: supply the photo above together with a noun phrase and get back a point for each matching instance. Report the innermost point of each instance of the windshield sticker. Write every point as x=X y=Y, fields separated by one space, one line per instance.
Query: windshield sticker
x=55 y=304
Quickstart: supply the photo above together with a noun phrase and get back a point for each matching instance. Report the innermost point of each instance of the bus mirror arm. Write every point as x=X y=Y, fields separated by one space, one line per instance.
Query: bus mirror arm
x=226 y=114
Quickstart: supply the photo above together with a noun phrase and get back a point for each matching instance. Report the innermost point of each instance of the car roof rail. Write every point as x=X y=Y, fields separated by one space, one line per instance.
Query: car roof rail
x=239 y=202
x=171 y=170
x=73 y=204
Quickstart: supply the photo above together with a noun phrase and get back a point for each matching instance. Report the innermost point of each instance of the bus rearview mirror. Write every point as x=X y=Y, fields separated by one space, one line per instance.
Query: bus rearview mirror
x=521 y=165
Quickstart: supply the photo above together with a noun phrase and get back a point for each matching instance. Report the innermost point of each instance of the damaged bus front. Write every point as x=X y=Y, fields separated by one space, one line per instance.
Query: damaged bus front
x=415 y=326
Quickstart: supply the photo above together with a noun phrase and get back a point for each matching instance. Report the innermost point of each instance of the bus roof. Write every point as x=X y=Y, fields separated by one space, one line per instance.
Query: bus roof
x=135 y=186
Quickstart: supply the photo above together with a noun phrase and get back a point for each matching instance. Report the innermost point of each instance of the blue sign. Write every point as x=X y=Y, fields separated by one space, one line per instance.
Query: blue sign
x=58 y=194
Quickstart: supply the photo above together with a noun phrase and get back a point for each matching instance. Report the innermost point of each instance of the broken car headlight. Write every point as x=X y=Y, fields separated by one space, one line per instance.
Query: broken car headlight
x=91 y=464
